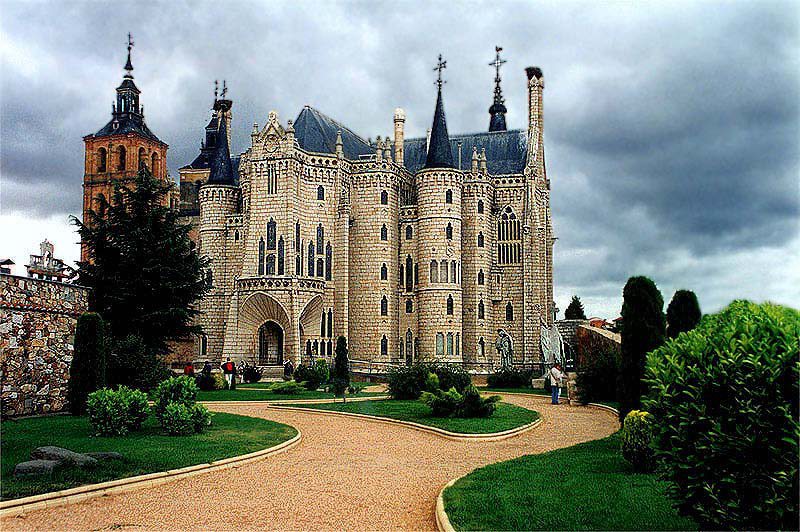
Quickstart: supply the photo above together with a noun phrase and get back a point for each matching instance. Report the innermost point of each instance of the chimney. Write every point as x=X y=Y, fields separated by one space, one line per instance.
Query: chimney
x=399 y=134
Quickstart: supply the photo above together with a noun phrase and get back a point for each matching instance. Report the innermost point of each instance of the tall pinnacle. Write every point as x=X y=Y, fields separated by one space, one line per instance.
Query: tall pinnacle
x=440 y=155
x=497 y=111
x=221 y=168
x=128 y=64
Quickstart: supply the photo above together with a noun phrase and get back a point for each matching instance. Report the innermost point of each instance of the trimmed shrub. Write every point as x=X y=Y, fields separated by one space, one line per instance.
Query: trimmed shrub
x=473 y=405
x=116 y=412
x=443 y=404
x=597 y=380
x=323 y=370
x=177 y=419
x=287 y=387
x=181 y=390
x=725 y=397
x=683 y=313
x=510 y=378
x=301 y=373
x=408 y=382
x=452 y=376
x=637 y=435
x=252 y=374
x=340 y=379
x=201 y=417
x=87 y=372
x=643 y=330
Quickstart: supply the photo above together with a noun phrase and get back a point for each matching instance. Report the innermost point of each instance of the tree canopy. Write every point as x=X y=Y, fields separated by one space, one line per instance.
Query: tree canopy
x=683 y=313
x=575 y=310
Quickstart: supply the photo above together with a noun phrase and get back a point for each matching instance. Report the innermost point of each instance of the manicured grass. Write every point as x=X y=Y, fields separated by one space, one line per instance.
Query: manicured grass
x=266 y=395
x=584 y=487
x=145 y=451
x=506 y=417
x=532 y=391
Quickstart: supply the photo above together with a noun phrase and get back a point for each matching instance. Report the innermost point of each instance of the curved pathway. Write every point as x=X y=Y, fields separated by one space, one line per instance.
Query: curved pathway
x=346 y=474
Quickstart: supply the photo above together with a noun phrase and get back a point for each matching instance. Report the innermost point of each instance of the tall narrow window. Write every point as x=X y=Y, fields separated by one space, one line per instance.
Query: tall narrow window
x=320 y=238
x=409 y=306
x=261 y=256
x=409 y=274
x=509 y=312
x=271 y=264
x=509 y=241
x=142 y=161
x=481 y=347
x=328 y=262
x=481 y=310
x=384 y=306
x=480 y=206
x=384 y=272
x=480 y=277
x=409 y=232
x=298 y=265
x=320 y=268
x=320 y=193
x=449 y=305
x=401 y=277
x=443 y=271
x=121 y=159
x=271 y=233
x=384 y=197
x=322 y=325
x=448 y=232
x=480 y=239
x=281 y=263
x=330 y=323
x=384 y=346
x=384 y=232
x=449 y=344
x=297 y=236
x=434 y=272
x=439 y=344
x=458 y=343
x=453 y=278
x=448 y=196
x=102 y=160
x=154 y=163
x=310 y=259
x=416 y=274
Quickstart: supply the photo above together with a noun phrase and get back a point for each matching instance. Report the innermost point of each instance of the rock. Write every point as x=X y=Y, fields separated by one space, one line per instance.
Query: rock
x=60 y=454
x=104 y=455
x=36 y=468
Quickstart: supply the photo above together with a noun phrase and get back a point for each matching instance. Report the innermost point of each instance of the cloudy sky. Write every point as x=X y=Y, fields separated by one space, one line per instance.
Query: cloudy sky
x=672 y=129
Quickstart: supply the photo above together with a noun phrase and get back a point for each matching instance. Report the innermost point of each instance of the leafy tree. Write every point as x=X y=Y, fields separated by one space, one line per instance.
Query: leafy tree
x=575 y=310
x=683 y=313
x=643 y=330
x=87 y=372
x=144 y=271
x=341 y=369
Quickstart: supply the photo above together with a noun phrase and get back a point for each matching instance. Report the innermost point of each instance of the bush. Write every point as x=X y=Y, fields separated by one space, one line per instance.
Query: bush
x=323 y=370
x=312 y=378
x=219 y=381
x=201 y=417
x=116 y=412
x=473 y=405
x=252 y=374
x=408 y=382
x=177 y=419
x=725 y=397
x=287 y=388
x=452 y=403
x=637 y=435
x=300 y=373
x=340 y=378
x=510 y=378
x=597 y=380
x=87 y=372
x=443 y=404
x=207 y=382
x=181 y=390
x=132 y=363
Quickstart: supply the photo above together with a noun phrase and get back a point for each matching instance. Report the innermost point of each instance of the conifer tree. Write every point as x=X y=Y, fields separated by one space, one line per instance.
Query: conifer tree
x=341 y=368
x=87 y=372
x=643 y=330
x=683 y=313
x=575 y=310
x=144 y=271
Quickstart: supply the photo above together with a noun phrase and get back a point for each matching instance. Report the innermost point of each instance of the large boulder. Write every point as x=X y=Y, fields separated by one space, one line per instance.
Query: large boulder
x=65 y=456
x=36 y=468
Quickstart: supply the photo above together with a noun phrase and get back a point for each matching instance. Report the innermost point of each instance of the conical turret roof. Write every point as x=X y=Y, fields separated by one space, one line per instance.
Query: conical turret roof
x=439 y=154
x=221 y=168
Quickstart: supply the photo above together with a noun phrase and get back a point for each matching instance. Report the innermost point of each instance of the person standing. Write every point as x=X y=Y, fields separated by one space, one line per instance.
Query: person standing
x=228 y=370
x=188 y=369
x=556 y=375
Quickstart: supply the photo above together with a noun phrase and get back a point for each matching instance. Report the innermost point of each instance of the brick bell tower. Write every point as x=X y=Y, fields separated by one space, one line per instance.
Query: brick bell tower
x=114 y=154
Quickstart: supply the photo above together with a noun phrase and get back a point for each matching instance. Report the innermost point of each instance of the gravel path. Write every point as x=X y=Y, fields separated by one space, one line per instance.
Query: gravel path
x=346 y=474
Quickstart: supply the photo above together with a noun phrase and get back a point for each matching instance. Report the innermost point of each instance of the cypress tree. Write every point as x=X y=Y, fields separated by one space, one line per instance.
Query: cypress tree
x=575 y=310
x=87 y=372
x=341 y=368
x=683 y=313
x=643 y=329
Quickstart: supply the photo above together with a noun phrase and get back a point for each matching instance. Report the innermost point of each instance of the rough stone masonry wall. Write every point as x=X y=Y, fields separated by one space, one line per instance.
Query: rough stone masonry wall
x=593 y=340
x=37 y=331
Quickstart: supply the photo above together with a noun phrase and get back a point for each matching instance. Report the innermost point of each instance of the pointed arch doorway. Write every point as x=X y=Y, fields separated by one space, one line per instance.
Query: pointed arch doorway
x=270 y=344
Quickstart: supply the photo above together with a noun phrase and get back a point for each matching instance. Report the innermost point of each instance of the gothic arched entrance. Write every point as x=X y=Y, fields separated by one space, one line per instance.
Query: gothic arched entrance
x=270 y=344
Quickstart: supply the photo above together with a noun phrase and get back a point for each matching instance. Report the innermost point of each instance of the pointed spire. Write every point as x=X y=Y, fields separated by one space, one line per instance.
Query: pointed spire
x=128 y=64
x=497 y=111
x=221 y=168
x=440 y=155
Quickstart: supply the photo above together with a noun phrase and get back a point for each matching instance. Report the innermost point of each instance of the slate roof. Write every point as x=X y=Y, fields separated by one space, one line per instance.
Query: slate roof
x=506 y=151
x=127 y=123
x=439 y=154
x=316 y=132
x=221 y=167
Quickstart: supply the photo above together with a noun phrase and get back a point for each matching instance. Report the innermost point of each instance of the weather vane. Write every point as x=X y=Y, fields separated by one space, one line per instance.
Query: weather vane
x=441 y=65
x=497 y=62
x=130 y=41
x=128 y=64
x=224 y=89
x=216 y=89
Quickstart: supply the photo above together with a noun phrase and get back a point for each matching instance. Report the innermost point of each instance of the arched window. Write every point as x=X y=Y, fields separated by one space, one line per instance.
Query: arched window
x=443 y=271
x=481 y=310
x=384 y=197
x=509 y=241
x=409 y=347
x=328 y=262
x=481 y=347
x=320 y=238
x=384 y=306
x=409 y=232
x=480 y=206
x=297 y=236
x=509 y=312
x=458 y=343
x=236 y=236
x=409 y=274
x=409 y=306
x=384 y=346
x=449 y=344
x=271 y=233
x=322 y=325
x=142 y=161
x=448 y=232
x=453 y=278
x=308 y=348
x=434 y=272
x=330 y=323
x=384 y=272
x=439 y=344
x=320 y=193
x=121 y=159
x=480 y=277
x=270 y=264
x=154 y=164
x=480 y=239
x=310 y=258
x=316 y=347
x=384 y=232
x=102 y=160
x=448 y=196
x=281 y=264
x=320 y=267
x=449 y=305
x=261 y=256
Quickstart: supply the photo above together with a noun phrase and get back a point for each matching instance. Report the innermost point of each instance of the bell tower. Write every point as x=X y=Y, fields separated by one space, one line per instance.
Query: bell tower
x=114 y=154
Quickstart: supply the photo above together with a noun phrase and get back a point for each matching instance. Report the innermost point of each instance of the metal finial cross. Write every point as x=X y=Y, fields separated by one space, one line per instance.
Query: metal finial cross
x=130 y=42
x=441 y=65
x=498 y=94
x=216 y=89
x=224 y=89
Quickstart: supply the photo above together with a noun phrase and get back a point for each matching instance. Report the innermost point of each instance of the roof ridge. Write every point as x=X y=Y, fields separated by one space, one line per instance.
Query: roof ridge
x=339 y=124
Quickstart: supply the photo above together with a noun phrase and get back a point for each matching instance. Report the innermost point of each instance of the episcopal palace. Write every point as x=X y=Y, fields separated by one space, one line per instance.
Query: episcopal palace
x=411 y=248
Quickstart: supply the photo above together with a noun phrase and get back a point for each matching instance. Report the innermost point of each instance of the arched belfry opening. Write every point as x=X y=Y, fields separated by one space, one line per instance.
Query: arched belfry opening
x=270 y=344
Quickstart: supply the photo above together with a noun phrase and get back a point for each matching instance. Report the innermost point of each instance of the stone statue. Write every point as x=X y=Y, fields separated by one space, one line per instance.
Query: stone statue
x=505 y=348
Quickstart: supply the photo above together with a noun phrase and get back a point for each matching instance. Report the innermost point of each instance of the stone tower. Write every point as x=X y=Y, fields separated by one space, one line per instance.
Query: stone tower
x=114 y=154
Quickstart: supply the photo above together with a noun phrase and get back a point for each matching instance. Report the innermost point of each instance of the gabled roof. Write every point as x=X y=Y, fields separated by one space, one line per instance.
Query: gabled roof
x=439 y=154
x=316 y=132
x=506 y=151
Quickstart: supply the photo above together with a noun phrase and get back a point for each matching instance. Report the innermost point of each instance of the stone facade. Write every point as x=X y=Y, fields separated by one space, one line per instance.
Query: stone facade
x=321 y=233
x=37 y=330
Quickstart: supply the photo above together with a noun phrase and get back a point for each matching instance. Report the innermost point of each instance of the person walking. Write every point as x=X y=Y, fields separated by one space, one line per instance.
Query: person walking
x=556 y=375
x=228 y=370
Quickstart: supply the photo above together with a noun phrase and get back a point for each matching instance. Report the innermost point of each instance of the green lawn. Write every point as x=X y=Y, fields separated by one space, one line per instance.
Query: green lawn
x=265 y=395
x=145 y=451
x=506 y=417
x=584 y=487
x=533 y=391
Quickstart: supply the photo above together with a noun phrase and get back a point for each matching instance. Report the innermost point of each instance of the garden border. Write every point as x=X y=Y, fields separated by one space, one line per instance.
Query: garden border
x=443 y=521
x=290 y=401
x=455 y=436
x=21 y=506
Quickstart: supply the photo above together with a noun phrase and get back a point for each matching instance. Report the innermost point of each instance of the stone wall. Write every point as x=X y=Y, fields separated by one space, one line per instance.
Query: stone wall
x=590 y=340
x=37 y=331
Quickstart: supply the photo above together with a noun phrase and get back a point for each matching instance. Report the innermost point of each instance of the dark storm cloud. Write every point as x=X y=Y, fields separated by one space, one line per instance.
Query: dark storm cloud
x=671 y=129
